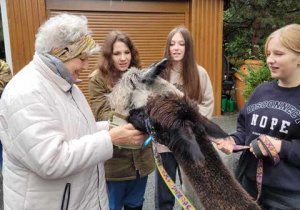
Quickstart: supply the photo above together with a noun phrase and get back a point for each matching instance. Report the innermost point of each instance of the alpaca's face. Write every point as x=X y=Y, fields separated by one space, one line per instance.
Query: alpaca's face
x=138 y=118
x=166 y=113
x=172 y=118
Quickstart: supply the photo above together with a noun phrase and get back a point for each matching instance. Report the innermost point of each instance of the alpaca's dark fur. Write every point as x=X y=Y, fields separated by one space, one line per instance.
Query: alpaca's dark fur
x=179 y=126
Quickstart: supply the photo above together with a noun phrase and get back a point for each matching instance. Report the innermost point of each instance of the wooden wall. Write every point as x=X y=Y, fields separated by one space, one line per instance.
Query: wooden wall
x=24 y=19
x=204 y=18
x=206 y=26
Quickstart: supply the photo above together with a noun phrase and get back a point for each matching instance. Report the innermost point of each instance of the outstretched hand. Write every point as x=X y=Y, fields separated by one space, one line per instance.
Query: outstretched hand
x=225 y=145
x=126 y=135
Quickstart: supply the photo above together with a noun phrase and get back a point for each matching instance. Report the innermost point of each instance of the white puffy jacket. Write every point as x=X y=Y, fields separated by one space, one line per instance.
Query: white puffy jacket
x=53 y=148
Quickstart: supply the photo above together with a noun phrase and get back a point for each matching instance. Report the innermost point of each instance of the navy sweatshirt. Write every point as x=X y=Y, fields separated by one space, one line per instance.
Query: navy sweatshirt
x=274 y=111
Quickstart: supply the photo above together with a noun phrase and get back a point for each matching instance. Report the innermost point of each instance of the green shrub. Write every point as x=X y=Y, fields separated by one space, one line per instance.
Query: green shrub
x=255 y=78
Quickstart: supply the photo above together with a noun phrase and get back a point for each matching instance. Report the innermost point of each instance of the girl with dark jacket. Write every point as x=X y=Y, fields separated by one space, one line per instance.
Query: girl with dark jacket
x=272 y=114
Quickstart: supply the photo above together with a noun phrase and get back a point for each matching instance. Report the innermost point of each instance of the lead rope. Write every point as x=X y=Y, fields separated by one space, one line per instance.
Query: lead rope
x=273 y=156
x=177 y=193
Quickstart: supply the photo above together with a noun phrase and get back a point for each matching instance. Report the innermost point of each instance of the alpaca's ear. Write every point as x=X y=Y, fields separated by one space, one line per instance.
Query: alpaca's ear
x=183 y=142
x=212 y=129
x=153 y=71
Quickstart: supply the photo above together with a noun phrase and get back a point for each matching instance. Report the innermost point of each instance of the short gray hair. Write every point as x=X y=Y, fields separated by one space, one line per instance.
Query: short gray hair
x=60 y=31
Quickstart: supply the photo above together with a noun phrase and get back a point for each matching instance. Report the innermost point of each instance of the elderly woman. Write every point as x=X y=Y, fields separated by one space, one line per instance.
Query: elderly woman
x=53 y=149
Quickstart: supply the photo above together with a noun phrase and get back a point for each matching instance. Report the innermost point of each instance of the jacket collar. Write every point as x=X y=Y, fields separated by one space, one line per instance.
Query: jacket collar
x=49 y=74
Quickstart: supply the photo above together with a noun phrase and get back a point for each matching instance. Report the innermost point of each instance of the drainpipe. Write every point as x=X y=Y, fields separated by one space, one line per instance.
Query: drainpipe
x=6 y=34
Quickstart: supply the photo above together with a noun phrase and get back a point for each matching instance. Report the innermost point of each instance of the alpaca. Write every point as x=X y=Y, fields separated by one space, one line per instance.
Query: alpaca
x=134 y=88
x=177 y=124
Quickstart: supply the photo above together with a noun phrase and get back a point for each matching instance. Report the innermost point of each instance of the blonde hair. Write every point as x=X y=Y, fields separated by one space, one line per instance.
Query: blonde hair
x=289 y=37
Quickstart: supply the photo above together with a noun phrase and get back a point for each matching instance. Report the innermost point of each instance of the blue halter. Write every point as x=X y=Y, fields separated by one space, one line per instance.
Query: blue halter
x=150 y=131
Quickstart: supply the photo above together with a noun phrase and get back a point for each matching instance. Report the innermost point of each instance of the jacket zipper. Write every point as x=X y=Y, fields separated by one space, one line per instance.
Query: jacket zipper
x=67 y=192
x=88 y=127
x=98 y=186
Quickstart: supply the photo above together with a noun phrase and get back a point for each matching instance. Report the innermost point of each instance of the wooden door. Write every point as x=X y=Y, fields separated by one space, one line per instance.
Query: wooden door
x=147 y=23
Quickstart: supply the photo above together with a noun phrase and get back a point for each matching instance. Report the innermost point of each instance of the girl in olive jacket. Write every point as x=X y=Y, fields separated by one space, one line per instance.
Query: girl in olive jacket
x=128 y=170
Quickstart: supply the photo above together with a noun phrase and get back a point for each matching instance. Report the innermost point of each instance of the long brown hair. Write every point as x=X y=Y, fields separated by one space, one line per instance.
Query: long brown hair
x=107 y=70
x=189 y=73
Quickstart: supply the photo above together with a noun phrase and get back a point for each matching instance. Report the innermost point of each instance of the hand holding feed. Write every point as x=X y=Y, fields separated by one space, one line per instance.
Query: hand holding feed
x=126 y=135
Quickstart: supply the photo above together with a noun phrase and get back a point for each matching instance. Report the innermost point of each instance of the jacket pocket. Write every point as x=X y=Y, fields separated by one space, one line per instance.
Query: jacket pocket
x=66 y=197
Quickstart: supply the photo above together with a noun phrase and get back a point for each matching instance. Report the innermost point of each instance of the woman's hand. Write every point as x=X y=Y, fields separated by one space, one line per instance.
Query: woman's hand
x=126 y=135
x=226 y=145
x=276 y=143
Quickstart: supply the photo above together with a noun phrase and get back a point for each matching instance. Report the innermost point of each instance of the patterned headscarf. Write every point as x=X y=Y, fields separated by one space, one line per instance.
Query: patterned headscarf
x=84 y=47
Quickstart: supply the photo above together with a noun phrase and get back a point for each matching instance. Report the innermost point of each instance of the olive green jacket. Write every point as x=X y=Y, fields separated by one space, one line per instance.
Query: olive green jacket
x=125 y=162
x=5 y=75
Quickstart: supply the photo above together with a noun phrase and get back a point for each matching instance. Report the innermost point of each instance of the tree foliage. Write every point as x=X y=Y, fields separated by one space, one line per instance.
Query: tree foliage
x=247 y=23
x=254 y=78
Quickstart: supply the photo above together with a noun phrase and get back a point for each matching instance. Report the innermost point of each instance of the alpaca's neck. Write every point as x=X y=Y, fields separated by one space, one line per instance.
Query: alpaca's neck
x=216 y=188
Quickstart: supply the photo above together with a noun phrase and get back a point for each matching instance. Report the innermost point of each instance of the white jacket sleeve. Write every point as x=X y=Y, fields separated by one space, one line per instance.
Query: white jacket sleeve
x=102 y=125
x=37 y=140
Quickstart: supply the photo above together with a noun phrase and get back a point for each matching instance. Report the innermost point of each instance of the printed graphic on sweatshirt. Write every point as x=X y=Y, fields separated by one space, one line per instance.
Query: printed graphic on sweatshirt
x=263 y=121
x=291 y=110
